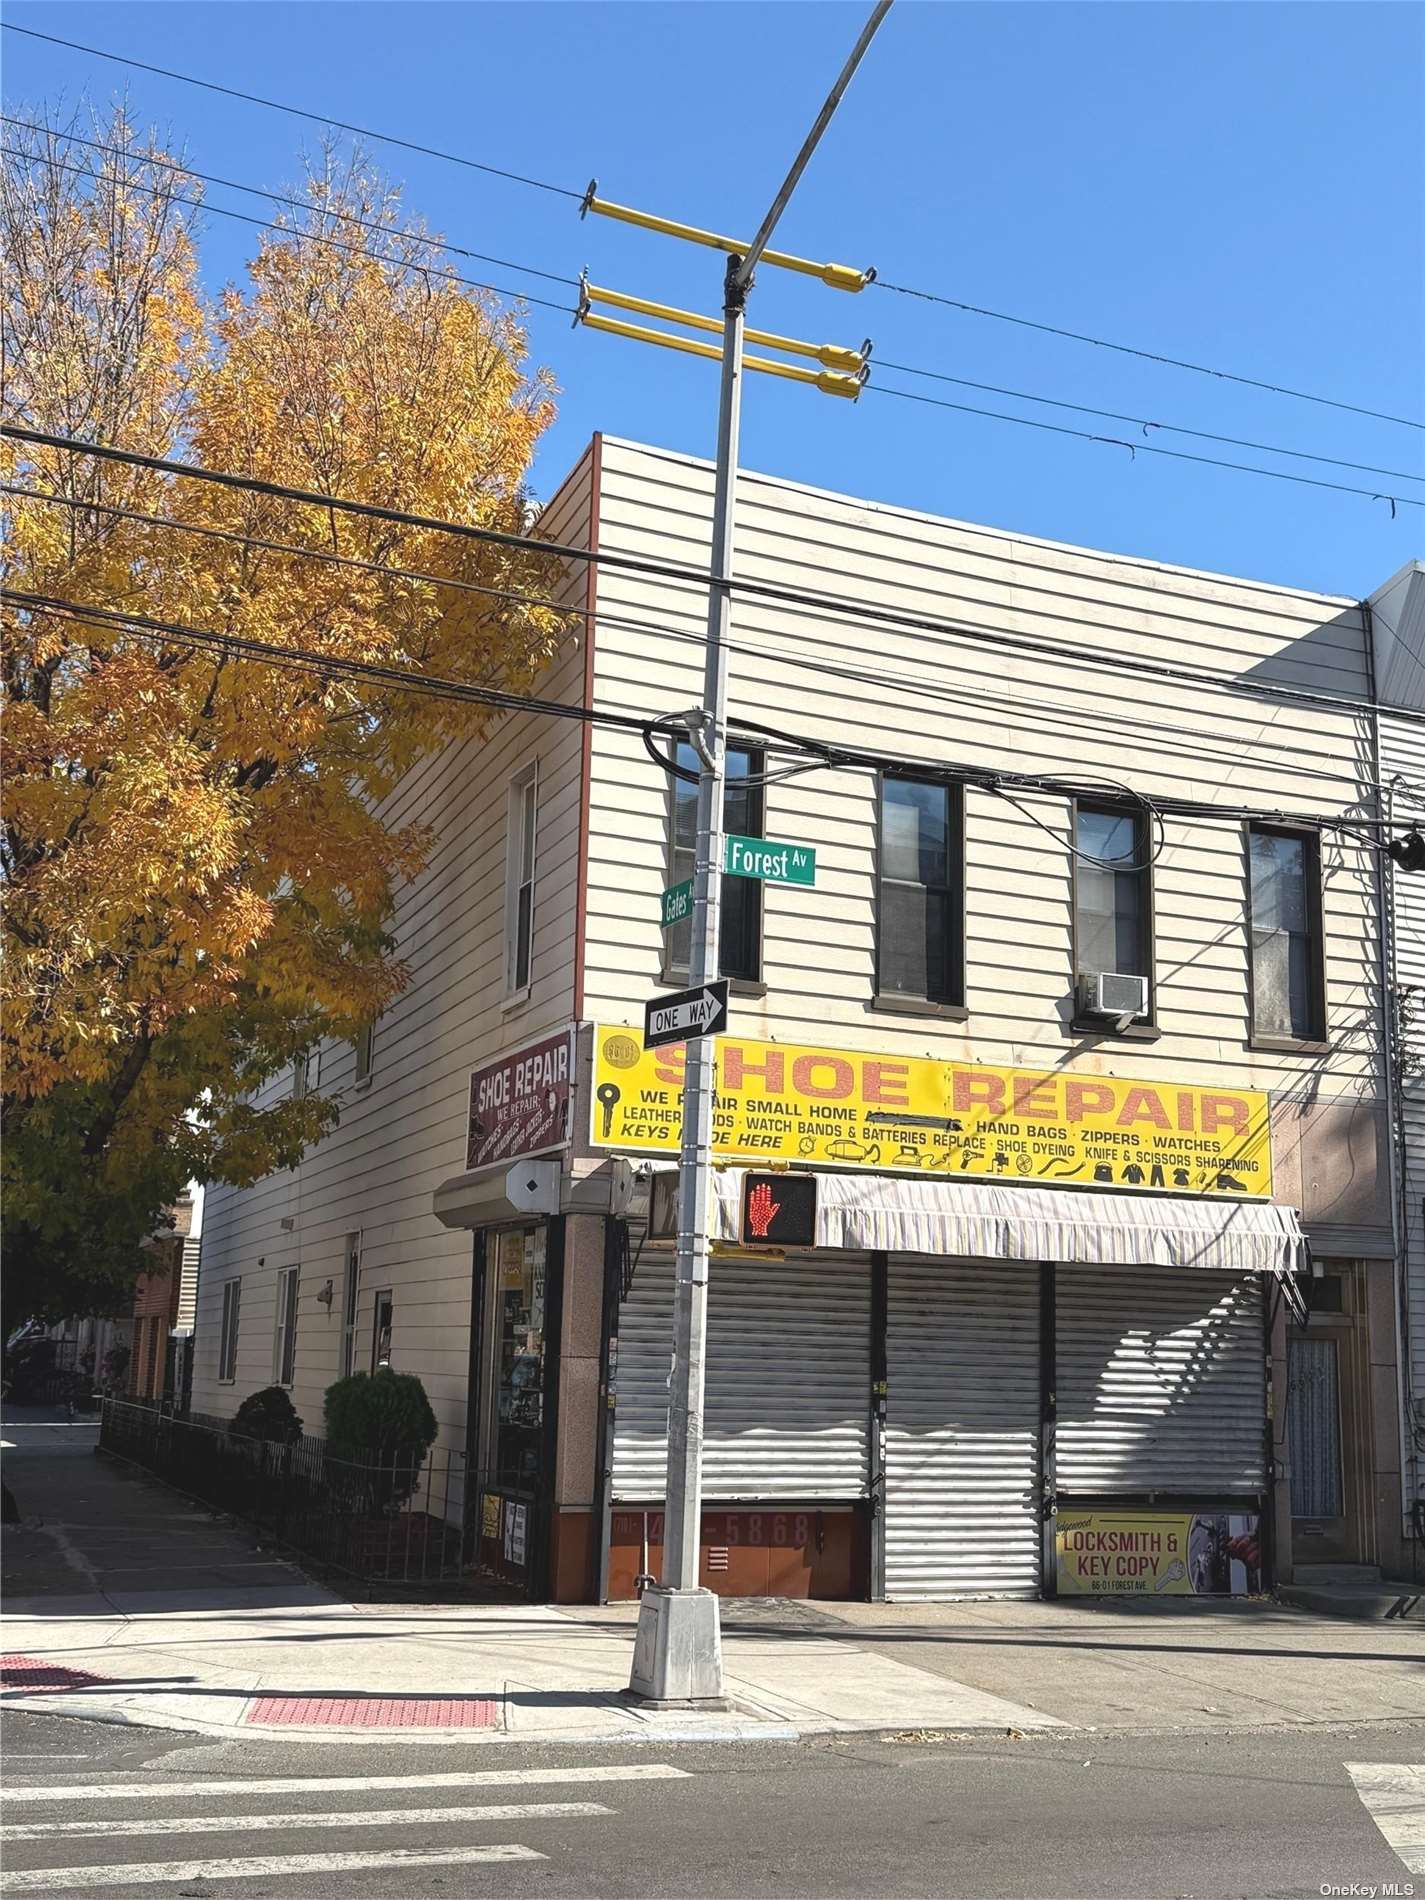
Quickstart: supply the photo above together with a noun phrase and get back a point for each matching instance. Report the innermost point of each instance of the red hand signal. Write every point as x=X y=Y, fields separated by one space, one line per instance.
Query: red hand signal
x=761 y=1210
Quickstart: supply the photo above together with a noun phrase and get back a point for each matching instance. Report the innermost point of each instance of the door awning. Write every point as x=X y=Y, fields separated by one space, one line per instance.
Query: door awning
x=997 y=1220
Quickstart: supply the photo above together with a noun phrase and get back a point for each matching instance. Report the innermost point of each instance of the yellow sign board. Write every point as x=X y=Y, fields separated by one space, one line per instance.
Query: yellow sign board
x=1158 y=1553
x=490 y=1514
x=843 y=1108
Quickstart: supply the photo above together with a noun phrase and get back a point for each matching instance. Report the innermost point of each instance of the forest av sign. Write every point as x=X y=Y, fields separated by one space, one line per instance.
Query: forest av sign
x=848 y=1108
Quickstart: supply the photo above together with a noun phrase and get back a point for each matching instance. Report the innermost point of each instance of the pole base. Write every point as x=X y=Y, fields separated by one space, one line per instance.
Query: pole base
x=677 y=1653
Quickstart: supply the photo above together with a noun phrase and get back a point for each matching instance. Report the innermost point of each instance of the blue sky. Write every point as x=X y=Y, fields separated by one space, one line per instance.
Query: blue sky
x=1240 y=185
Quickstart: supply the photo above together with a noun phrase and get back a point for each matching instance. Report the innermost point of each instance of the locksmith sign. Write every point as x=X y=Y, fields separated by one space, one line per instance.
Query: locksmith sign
x=843 y=1108
x=519 y=1105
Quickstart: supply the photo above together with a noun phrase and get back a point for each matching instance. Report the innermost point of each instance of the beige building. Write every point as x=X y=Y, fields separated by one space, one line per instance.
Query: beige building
x=1040 y=1336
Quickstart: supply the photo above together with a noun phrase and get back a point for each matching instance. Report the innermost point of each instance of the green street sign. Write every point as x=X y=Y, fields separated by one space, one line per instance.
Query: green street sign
x=772 y=862
x=677 y=903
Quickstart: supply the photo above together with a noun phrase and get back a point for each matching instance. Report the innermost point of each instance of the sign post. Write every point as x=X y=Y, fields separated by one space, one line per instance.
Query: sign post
x=677 y=1652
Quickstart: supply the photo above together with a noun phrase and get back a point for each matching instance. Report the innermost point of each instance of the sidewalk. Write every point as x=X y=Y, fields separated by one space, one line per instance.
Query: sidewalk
x=127 y=1603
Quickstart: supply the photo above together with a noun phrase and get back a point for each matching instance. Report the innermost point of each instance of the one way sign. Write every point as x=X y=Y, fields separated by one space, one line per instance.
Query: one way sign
x=699 y=1012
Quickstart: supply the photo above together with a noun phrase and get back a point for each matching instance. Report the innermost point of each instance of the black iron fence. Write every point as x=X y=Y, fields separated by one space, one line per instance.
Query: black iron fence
x=400 y=1522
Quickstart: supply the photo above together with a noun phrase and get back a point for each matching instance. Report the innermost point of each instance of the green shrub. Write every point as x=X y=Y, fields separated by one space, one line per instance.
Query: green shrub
x=382 y=1421
x=267 y=1415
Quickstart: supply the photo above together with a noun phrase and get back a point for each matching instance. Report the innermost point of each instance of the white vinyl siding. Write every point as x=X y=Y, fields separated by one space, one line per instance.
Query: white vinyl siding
x=788 y=1379
x=400 y=1138
x=927 y=696
x=962 y=1428
x=1160 y=1381
x=1403 y=766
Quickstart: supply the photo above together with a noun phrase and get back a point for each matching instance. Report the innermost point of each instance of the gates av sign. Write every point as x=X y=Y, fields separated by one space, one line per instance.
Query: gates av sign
x=852 y=1108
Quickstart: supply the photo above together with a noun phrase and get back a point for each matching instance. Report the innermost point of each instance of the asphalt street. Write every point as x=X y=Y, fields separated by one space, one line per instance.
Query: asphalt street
x=96 y=1808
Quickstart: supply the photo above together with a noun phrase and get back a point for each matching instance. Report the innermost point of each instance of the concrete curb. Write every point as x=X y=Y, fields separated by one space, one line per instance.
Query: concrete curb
x=1390 y=1603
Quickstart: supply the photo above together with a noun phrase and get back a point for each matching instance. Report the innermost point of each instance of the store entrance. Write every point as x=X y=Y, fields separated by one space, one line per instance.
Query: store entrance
x=515 y=1401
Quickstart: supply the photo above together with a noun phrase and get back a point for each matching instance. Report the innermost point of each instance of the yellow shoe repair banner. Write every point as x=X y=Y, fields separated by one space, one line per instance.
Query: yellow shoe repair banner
x=843 y=1108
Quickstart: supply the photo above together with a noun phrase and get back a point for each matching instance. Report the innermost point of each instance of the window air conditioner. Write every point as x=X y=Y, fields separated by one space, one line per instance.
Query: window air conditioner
x=1118 y=997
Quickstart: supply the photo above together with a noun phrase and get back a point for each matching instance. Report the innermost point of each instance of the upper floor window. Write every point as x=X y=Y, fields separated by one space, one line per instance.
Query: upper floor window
x=519 y=878
x=1113 y=910
x=228 y=1338
x=741 y=936
x=365 y=1050
x=1288 y=990
x=919 y=929
x=306 y=1072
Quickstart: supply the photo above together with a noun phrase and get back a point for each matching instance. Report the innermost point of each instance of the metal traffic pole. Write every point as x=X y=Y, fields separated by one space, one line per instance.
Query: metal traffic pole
x=677 y=1654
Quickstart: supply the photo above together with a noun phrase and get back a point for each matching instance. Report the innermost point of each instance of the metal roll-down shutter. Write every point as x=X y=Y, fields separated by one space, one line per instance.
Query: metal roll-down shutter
x=962 y=1428
x=788 y=1379
x=1160 y=1379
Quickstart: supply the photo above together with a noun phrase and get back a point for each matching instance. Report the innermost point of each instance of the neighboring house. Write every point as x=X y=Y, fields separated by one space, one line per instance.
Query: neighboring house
x=1035 y=1337
x=165 y=1303
x=1398 y=627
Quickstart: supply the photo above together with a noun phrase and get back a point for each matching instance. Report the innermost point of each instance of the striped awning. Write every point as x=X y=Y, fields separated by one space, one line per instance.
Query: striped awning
x=995 y=1220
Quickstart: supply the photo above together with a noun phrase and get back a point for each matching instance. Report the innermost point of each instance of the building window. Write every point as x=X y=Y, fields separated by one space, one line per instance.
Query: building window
x=1287 y=1000
x=1113 y=911
x=284 y=1356
x=348 y=1305
x=228 y=1340
x=519 y=878
x=365 y=1050
x=918 y=892
x=381 y=1330
x=740 y=937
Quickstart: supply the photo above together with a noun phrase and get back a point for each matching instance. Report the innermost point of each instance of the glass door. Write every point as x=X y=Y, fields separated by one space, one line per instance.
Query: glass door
x=513 y=1436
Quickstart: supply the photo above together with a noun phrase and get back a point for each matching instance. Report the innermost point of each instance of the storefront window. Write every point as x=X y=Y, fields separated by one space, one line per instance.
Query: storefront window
x=519 y=1321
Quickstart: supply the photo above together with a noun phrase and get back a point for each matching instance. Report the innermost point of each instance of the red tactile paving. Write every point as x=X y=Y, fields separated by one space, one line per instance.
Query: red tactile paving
x=320 y=1711
x=41 y=1678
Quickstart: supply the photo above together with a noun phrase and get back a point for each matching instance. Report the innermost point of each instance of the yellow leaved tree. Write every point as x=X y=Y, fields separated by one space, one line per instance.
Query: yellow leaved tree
x=197 y=876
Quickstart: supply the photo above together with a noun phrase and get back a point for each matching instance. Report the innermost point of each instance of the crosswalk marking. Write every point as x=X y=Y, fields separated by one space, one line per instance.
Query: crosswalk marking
x=1393 y=1794
x=156 y=1788
x=131 y=1873
x=246 y=1823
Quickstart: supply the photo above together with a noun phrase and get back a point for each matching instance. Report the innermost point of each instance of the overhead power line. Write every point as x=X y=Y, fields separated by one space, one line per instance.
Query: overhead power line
x=298 y=112
x=282 y=198
x=1147 y=422
x=1192 y=742
x=313 y=237
x=817 y=752
x=809 y=601
x=1149 y=356
x=1150 y=448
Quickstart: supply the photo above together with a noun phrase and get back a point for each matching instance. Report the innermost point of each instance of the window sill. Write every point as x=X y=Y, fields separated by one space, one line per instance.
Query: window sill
x=1135 y=1032
x=919 y=1006
x=517 y=1000
x=360 y=1087
x=737 y=985
x=1290 y=1045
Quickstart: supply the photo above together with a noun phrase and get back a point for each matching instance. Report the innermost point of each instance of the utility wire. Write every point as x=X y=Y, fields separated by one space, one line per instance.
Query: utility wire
x=1147 y=422
x=459 y=250
x=554 y=277
x=276 y=197
x=297 y=112
x=1095 y=718
x=1149 y=448
x=313 y=237
x=836 y=607
x=405 y=680
x=817 y=751
x=1150 y=356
